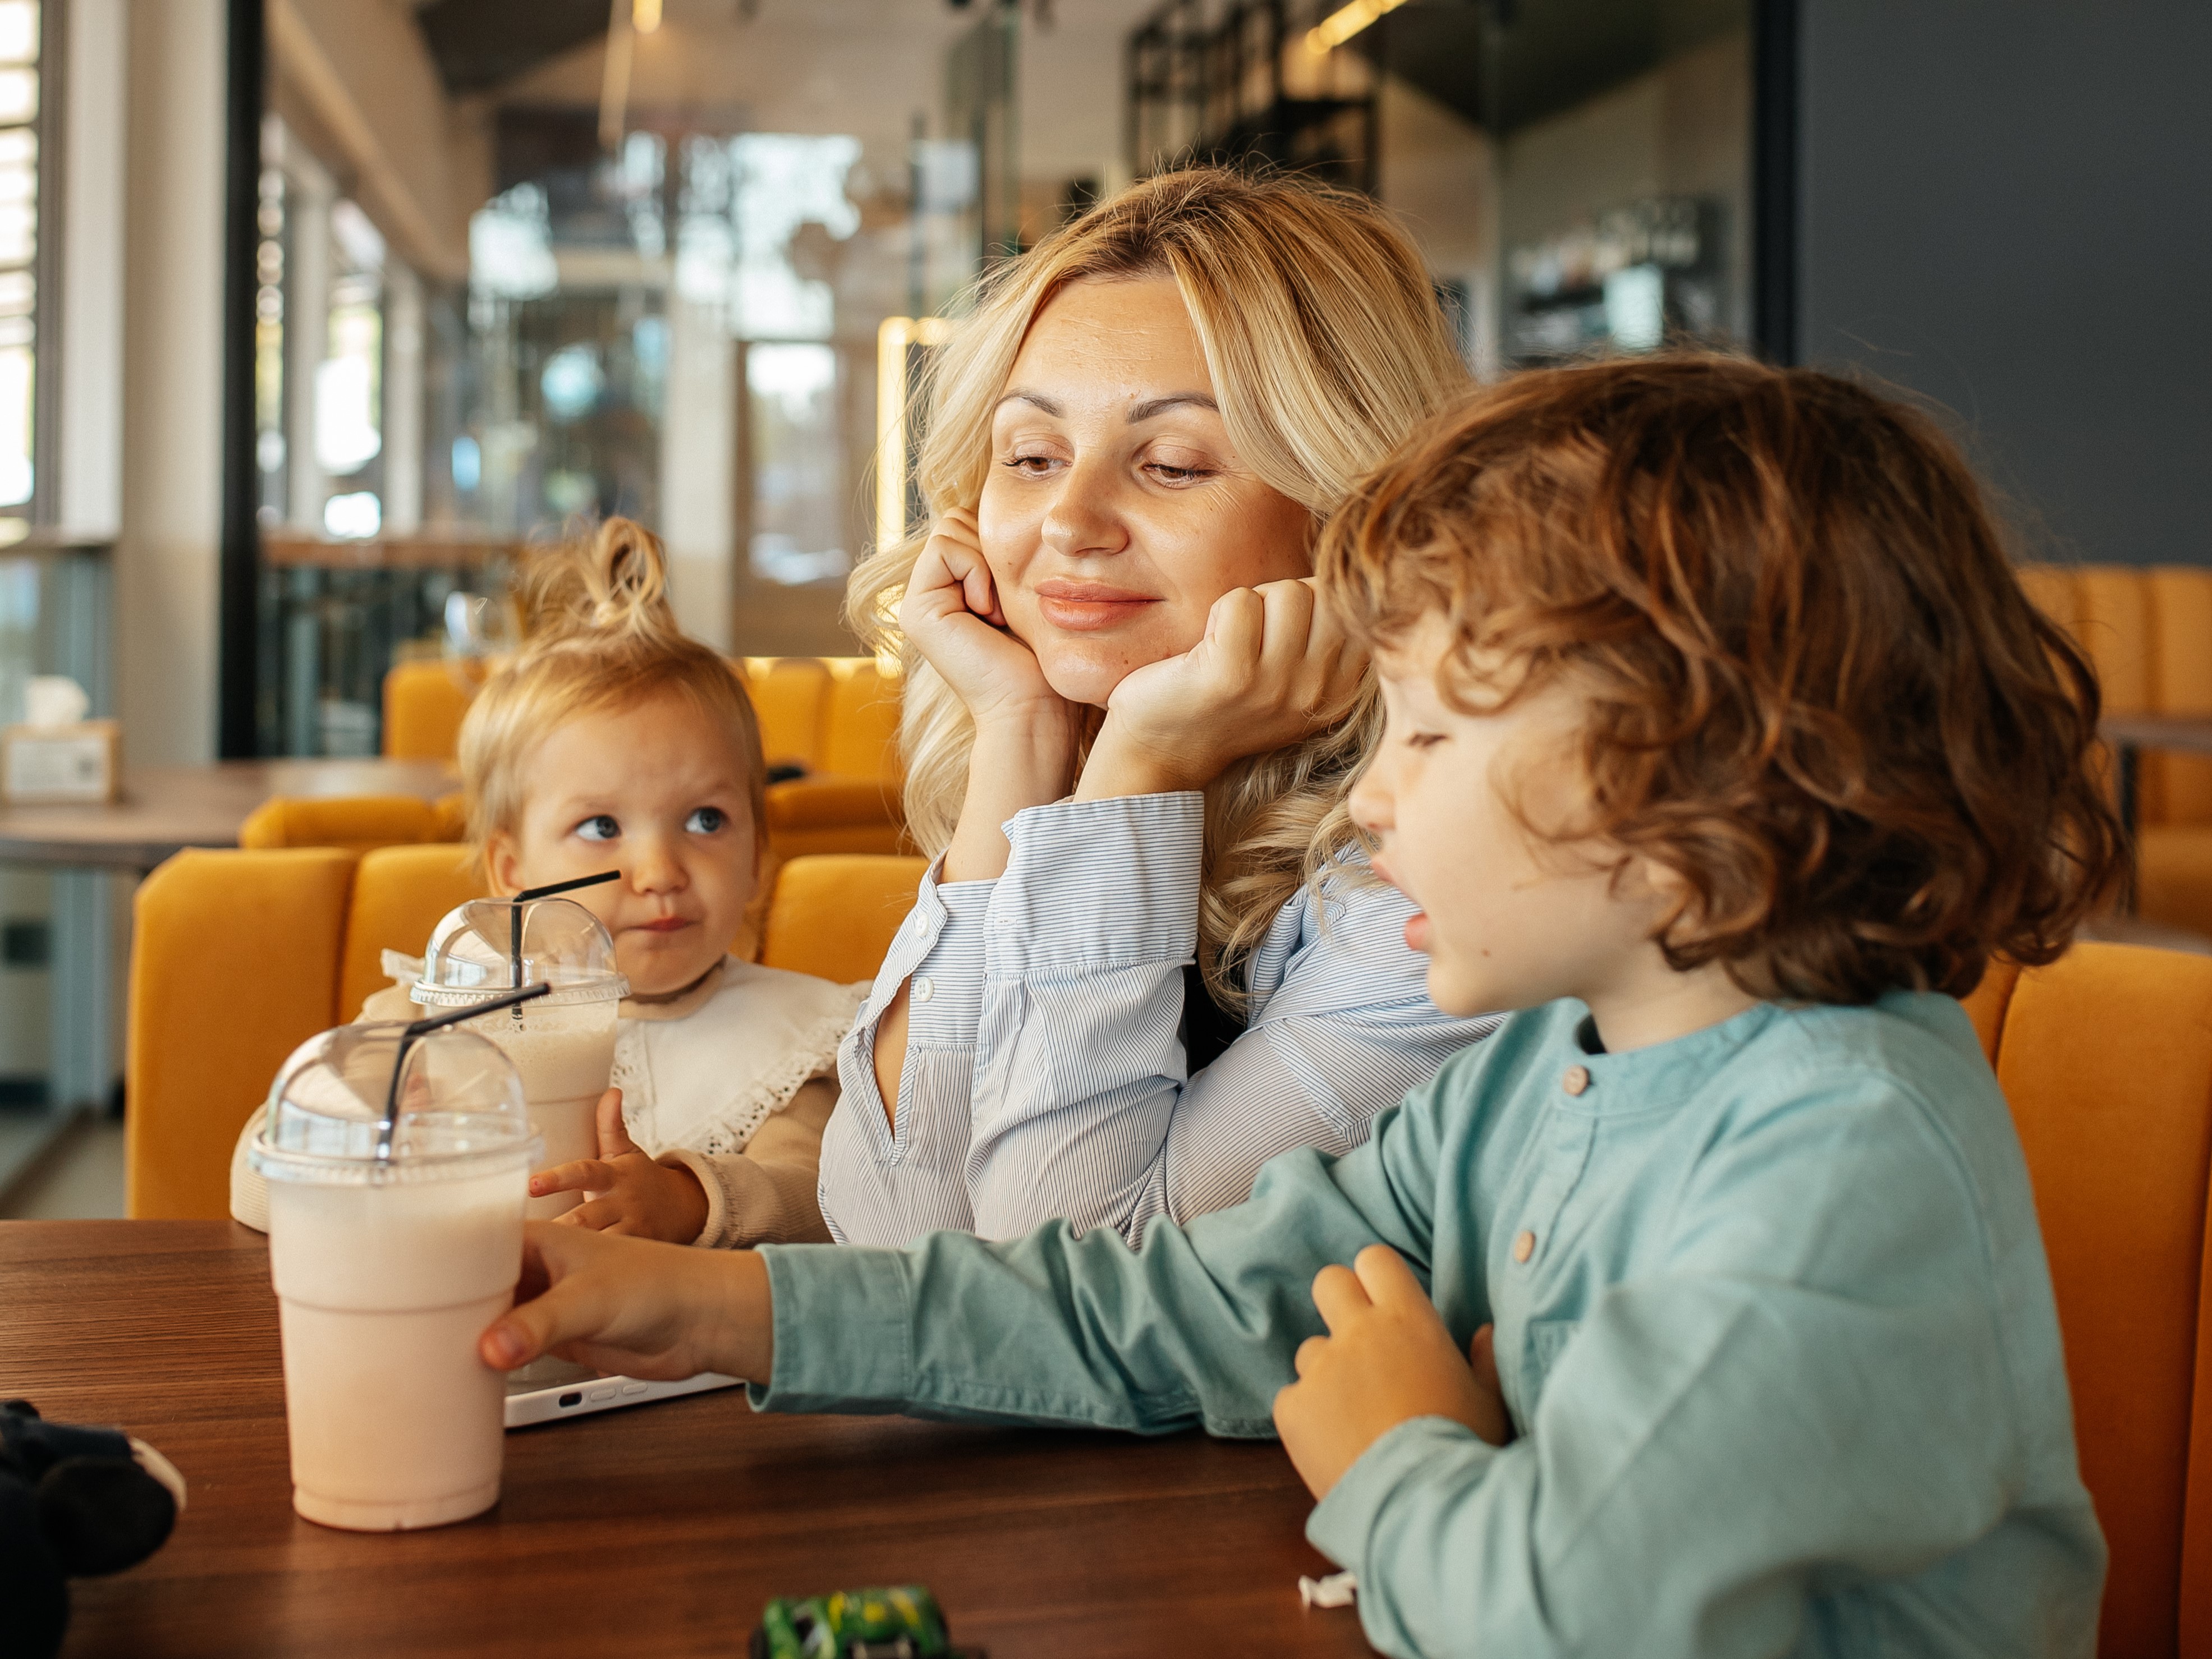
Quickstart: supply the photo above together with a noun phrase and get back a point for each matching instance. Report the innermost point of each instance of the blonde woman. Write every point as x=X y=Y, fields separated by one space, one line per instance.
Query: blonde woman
x=1129 y=733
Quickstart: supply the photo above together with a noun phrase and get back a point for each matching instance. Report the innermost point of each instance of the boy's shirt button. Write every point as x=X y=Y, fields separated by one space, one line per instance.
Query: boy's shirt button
x=1524 y=1245
x=1576 y=1079
x=923 y=989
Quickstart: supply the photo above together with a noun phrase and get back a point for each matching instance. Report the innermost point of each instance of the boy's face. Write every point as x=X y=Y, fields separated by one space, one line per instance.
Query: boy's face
x=656 y=790
x=1507 y=919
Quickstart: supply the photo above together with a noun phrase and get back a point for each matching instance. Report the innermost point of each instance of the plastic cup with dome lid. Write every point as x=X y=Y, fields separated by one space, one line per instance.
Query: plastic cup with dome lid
x=563 y=1042
x=397 y=1160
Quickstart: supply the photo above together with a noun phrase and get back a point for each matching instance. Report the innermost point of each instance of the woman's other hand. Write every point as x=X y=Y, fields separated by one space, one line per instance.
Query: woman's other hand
x=951 y=613
x=1273 y=668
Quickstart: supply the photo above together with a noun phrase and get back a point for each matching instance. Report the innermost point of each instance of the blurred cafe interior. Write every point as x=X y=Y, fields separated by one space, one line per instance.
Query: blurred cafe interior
x=321 y=318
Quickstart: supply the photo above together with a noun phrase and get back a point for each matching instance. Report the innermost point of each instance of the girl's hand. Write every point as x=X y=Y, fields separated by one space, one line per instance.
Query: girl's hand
x=1386 y=1360
x=951 y=613
x=635 y=1307
x=1274 y=668
x=630 y=1192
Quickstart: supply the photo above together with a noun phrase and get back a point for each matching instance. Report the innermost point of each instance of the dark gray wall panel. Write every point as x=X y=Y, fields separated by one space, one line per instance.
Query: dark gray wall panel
x=2007 y=207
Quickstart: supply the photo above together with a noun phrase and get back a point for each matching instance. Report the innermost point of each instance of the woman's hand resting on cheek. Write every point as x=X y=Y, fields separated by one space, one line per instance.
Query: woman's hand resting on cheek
x=1386 y=1360
x=951 y=613
x=1026 y=733
x=635 y=1307
x=1273 y=668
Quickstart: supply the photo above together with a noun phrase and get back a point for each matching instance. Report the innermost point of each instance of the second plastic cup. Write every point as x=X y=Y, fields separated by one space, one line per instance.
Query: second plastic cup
x=564 y=1043
x=391 y=1252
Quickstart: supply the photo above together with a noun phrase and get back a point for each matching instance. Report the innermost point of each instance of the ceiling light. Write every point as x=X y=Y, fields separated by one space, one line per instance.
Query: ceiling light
x=645 y=15
x=1340 y=27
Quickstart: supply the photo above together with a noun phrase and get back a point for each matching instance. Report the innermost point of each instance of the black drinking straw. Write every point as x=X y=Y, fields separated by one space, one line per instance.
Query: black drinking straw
x=514 y=913
x=389 y=1126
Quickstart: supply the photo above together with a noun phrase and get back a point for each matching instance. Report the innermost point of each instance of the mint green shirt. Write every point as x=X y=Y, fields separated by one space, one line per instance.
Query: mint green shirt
x=1773 y=1322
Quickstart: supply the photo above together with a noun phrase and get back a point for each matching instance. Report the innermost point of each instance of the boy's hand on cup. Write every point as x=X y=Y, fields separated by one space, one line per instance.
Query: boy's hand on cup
x=634 y=1306
x=950 y=612
x=629 y=1193
x=1273 y=668
x=1386 y=1360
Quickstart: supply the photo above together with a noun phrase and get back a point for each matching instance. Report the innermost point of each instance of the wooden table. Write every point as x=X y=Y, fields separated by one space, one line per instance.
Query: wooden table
x=165 y=809
x=656 y=1531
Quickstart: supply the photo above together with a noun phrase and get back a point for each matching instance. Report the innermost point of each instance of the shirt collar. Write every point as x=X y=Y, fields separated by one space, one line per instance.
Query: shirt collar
x=1663 y=1074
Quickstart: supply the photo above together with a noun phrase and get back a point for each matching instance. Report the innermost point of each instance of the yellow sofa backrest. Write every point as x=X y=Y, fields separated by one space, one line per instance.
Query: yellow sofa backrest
x=240 y=957
x=2122 y=1168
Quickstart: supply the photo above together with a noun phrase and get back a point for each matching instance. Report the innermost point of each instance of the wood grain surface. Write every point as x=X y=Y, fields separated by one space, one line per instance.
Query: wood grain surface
x=659 y=1530
x=166 y=808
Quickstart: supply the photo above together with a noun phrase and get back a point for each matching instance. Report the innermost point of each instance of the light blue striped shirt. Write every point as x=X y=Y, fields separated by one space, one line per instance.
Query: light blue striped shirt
x=1044 y=1073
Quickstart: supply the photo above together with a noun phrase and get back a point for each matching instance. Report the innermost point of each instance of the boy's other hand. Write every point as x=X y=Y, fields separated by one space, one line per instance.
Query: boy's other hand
x=635 y=1307
x=1386 y=1360
x=628 y=1192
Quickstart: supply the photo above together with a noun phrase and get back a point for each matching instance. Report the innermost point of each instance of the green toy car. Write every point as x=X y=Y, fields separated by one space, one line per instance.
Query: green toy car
x=900 y=1623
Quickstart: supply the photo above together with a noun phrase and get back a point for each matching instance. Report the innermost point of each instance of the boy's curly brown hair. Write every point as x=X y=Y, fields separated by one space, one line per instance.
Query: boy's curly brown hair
x=1818 y=694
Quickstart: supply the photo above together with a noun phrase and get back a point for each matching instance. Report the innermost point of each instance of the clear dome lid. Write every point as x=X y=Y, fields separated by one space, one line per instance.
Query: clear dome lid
x=489 y=945
x=457 y=1102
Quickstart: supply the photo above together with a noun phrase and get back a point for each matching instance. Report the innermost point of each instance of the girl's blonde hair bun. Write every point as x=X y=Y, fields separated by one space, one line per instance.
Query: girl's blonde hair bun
x=598 y=634
x=613 y=583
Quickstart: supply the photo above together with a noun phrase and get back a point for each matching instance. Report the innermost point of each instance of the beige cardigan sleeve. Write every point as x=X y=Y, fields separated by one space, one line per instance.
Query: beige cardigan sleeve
x=765 y=1193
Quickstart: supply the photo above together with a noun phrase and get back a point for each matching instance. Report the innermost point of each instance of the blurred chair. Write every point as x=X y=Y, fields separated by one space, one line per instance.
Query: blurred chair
x=424 y=702
x=835 y=717
x=836 y=917
x=2149 y=632
x=356 y=823
x=788 y=694
x=2119 y=1159
x=240 y=957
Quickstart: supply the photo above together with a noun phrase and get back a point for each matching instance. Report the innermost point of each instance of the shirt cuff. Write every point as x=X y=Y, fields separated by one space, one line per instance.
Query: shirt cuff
x=843 y=1323
x=1099 y=883
x=945 y=987
x=1343 y=1525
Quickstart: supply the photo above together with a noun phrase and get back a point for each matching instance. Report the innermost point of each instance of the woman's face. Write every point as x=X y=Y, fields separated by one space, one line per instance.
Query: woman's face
x=1117 y=511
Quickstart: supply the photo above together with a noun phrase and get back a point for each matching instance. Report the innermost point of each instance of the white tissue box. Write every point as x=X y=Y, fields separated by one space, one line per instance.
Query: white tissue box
x=47 y=765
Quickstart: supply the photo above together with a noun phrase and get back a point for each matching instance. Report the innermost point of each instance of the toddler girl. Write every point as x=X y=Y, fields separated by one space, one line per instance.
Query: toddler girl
x=612 y=742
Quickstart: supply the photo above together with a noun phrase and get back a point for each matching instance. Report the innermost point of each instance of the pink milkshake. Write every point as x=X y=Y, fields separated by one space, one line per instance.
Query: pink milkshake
x=564 y=1043
x=392 y=1248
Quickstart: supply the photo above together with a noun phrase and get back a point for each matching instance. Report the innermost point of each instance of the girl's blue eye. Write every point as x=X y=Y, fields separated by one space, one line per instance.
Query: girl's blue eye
x=602 y=828
x=706 y=820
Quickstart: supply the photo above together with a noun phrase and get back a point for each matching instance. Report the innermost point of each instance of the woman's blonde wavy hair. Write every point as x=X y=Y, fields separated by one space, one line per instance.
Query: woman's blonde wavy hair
x=598 y=634
x=1325 y=346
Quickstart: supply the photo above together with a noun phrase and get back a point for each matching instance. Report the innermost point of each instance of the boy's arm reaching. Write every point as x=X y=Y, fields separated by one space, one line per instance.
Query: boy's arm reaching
x=1196 y=1325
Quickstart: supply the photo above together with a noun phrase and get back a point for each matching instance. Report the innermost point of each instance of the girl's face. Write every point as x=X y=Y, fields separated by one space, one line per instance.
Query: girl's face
x=1117 y=511
x=657 y=792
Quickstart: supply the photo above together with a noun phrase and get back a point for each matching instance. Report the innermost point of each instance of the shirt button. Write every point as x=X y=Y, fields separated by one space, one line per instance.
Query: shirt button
x=1524 y=1245
x=1576 y=1079
x=923 y=989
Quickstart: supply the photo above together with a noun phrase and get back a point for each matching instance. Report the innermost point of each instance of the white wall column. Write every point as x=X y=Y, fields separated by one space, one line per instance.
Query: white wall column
x=403 y=399
x=698 y=446
x=89 y=484
x=167 y=558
